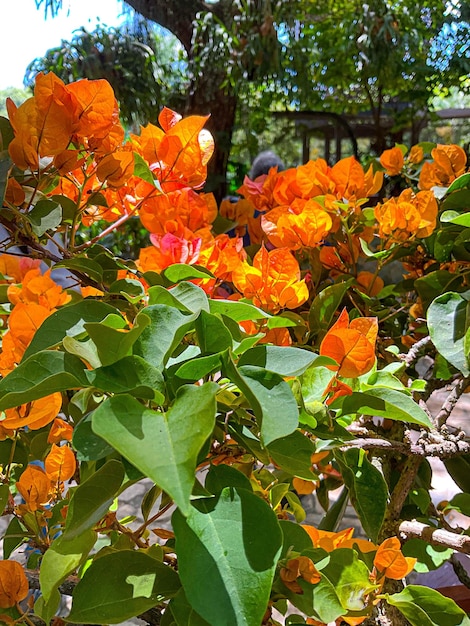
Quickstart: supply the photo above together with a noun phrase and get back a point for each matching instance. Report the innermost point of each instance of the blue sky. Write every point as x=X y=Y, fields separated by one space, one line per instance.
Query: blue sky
x=26 y=34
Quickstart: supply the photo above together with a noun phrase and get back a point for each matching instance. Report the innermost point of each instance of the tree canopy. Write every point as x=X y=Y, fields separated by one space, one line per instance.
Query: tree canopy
x=340 y=56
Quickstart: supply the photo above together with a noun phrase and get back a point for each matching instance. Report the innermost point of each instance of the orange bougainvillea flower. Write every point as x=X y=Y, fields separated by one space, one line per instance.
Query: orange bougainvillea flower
x=449 y=163
x=35 y=414
x=409 y=215
x=351 y=345
x=167 y=250
x=39 y=288
x=14 y=585
x=60 y=463
x=183 y=213
x=392 y=161
x=178 y=152
x=391 y=562
x=60 y=431
x=299 y=567
x=304 y=224
x=34 y=486
x=116 y=168
x=85 y=112
x=304 y=487
x=329 y=541
x=273 y=281
x=369 y=283
x=15 y=268
x=351 y=183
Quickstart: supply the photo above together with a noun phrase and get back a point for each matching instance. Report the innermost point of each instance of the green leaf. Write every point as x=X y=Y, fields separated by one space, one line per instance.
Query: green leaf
x=14 y=536
x=423 y=606
x=164 y=447
x=332 y=518
x=40 y=375
x=114 y=344
x=461 y=503
x=92 y=499
x=186 y=297
x=349 y=577
x=293 y=454
x=128 y=287
x=453 y=217
x=285 y=361
x=47 y=610
x=270 y=397
x=221 y=476
x=184 y=613
x=89 y=447
x=179 y=271
x=143 y=171
x=385 y=402
x=167 y=328
x=61 y=559
x=294 y=538
x=367 y=489
x=6 y=165
x=459 y=183
x=4 y=494
x=448 y=322
x=197 y=368
x=68 y=321
x=433 y=285
x=325 y=305
x=429 y=557
x=227 y=569
x=132 y=375
x=459 y=469
x=46 y=215
x=84 y=266
x=212 y=334
x=238 y=311
x=120 y=585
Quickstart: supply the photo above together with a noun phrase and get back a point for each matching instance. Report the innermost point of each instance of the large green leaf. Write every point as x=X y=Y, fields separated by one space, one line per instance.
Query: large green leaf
x=42 y=374
x=92 y=499
x=114 y=344
x=270 y=397
x=61 y=559
x=423 y=606
x=212 y=334
x=385 y=402
x=132 y=375
x=183 y=612
x=367 y=489
x=293 y=454
x=68 y=321
x=120 y=585
x=448 y=321
x=186 y=297
x=227 y=569
x=88 y=446
x=242 y=311
x=45 y=215
x=285 y=361
x=166 y=329
x=163 y=446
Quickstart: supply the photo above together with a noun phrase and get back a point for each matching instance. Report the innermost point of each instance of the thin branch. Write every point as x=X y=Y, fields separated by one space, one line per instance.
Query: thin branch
x=399 y=494
x=438 y=446
x=451 y=400
x=412 y=529
x=414 y=352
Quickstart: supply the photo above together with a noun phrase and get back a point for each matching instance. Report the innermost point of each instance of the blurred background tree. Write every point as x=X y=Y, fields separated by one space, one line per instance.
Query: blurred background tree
x=241 y=60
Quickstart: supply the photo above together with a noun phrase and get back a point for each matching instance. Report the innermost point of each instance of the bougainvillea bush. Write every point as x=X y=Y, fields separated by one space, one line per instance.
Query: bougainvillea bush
x=253 y=354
